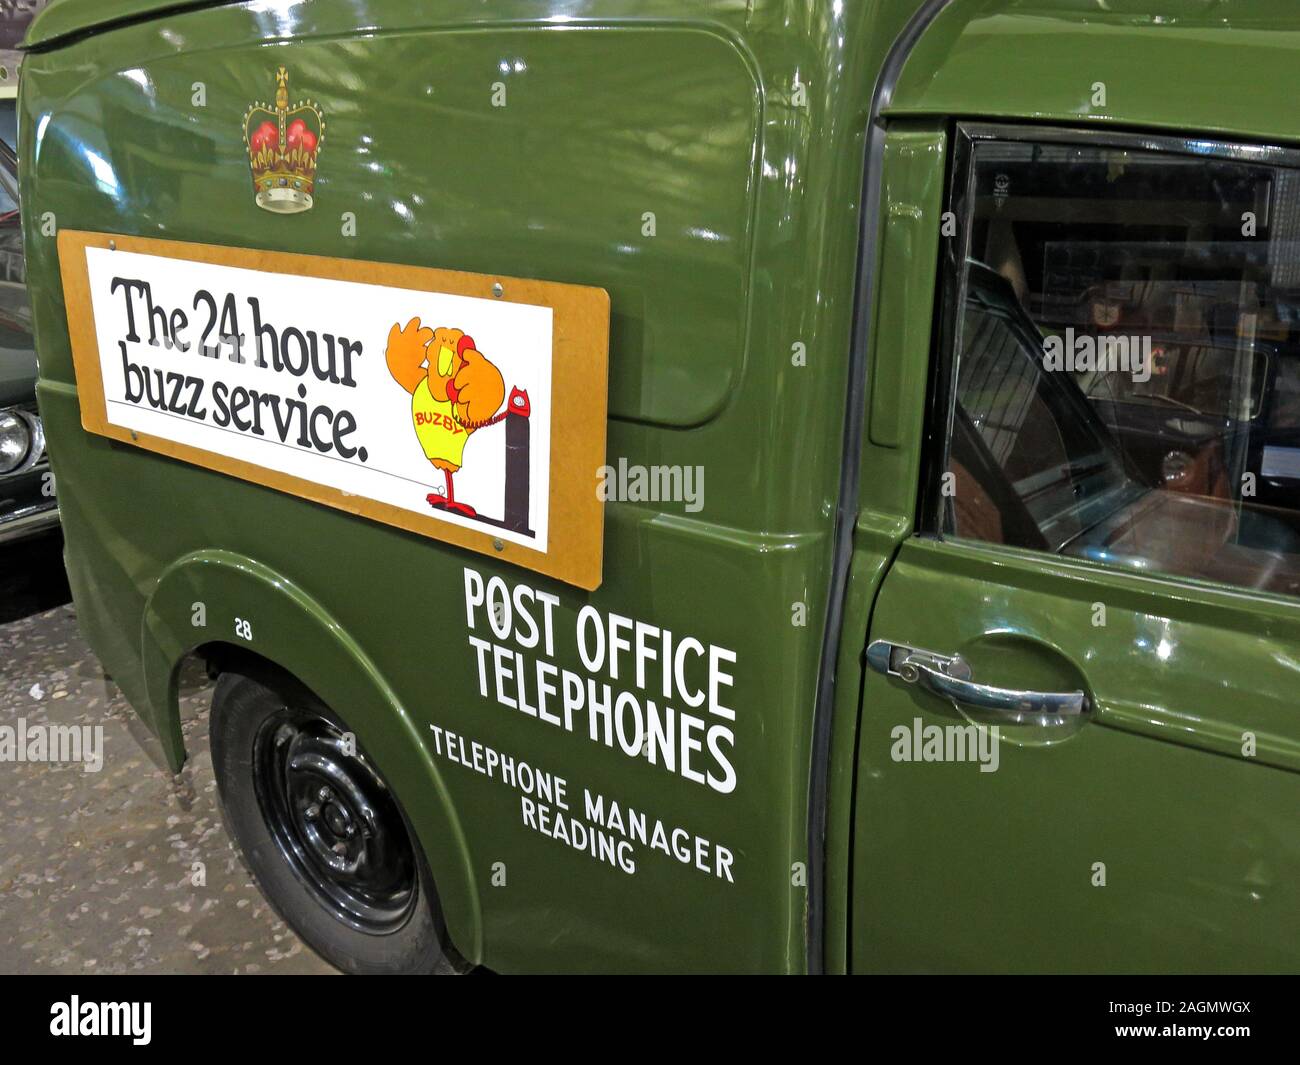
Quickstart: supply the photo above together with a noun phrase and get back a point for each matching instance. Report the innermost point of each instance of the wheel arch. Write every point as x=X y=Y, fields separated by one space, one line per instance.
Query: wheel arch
x=190 y=611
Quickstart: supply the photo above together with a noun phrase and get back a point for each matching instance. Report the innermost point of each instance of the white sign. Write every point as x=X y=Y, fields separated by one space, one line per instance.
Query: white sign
x=434 y=403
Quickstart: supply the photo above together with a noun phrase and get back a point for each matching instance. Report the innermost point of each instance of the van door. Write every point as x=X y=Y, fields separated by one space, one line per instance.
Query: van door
x=1079 y=741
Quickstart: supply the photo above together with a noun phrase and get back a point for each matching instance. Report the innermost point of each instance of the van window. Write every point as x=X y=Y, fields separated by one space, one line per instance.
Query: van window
x=1125 y=366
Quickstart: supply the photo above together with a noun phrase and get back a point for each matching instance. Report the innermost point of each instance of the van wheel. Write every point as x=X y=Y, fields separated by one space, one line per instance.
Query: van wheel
x=320 y=830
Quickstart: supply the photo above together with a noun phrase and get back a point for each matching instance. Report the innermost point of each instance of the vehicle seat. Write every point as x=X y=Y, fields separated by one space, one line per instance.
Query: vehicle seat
x=975 y=516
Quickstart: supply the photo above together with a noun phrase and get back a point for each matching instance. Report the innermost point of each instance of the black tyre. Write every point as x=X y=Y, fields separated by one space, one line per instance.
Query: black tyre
x=320 y=830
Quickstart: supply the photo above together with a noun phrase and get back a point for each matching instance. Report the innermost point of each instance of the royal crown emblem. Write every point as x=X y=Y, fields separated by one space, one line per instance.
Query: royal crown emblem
x=283 y=145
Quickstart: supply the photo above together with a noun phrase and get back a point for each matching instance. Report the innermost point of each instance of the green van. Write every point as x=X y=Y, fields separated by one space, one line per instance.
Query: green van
x=787 y=486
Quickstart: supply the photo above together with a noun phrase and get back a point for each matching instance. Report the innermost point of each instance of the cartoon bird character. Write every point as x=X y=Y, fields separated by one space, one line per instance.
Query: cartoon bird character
x=454 y=391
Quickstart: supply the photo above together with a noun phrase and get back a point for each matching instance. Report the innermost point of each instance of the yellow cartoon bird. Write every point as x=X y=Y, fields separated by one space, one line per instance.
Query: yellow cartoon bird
x=454 y=391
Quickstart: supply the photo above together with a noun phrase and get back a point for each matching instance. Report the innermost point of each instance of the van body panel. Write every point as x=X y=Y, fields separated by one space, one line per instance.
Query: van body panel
x=1150 y=837
x=1178 y=70
x=704 y=163
x=911 y=197
x=724 y=288
x=1197 y=852
x=66 y=18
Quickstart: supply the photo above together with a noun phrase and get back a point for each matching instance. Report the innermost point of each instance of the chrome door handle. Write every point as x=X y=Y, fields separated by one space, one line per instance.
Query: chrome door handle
x=949 y=676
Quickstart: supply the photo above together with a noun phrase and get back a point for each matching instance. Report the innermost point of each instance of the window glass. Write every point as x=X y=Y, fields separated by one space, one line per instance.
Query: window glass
x=1126 y=363
x=9 y=157
x=15 y=313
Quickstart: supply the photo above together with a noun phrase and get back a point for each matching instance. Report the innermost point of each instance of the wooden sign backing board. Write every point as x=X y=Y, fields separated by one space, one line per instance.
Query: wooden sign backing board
x=579 y=373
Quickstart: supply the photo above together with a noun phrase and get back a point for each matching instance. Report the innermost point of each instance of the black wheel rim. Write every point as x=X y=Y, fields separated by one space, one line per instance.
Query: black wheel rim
x=334 y=821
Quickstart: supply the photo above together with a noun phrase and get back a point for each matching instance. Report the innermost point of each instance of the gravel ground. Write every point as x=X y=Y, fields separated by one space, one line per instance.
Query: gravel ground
x=127 y=869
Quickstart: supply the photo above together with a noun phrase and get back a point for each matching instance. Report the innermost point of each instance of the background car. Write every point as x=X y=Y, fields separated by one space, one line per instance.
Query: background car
x=27 y=504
